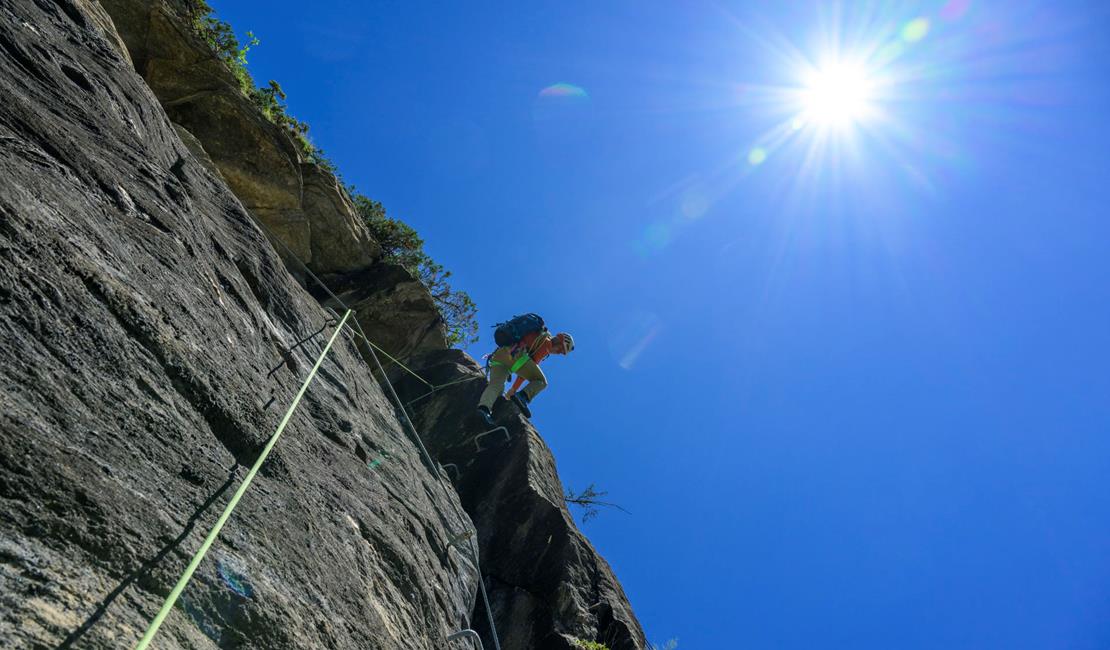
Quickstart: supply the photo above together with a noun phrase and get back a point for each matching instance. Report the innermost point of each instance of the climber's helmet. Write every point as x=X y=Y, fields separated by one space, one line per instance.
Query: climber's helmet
x=564 y=343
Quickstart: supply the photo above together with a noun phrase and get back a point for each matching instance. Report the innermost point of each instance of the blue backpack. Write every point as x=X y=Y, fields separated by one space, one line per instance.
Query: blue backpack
x=513 y=330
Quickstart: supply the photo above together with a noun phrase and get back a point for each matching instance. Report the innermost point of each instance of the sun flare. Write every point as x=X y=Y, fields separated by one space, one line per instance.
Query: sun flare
x=868 y=84
x=837 y=94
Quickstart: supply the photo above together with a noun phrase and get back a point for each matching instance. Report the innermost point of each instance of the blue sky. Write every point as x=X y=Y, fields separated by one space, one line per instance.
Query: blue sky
x=850 y=379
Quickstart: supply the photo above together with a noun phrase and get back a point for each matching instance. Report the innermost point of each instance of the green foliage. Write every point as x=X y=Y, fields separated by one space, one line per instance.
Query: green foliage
x=594 y=645
x=402 y=245
x=456 y=307
x=270 y=99
x=399 y=241
x=218 y=34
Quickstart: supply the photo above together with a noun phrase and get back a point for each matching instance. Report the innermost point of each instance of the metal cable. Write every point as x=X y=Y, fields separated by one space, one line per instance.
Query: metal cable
x=406 y=419
x=208 y=541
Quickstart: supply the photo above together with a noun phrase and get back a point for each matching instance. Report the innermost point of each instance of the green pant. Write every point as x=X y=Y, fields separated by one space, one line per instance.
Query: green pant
x=500 y=363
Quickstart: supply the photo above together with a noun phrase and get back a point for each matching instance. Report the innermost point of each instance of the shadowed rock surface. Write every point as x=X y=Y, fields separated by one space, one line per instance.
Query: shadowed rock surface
x=149 y=336
x=394 y=308
x=546 y=582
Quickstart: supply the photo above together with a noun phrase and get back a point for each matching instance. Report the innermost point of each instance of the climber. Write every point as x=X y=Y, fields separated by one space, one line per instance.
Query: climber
x=523 y=343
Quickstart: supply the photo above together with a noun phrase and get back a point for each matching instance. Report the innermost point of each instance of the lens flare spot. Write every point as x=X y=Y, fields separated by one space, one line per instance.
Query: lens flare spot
x=233 y=578
x=559 y=111
x=694 y=204
x=890 y=52
x=955 y=9
x=377 y=462
x=564 y=90
x=915 y=30
x=756 y=156
x=657 y=236
x=632 y=336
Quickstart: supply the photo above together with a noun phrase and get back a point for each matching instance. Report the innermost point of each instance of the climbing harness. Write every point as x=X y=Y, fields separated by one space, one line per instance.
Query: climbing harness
x=525 y=352
x=517 y=364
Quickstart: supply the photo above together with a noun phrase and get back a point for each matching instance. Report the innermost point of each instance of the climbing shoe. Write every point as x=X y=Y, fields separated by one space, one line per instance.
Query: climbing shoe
x=521 y=400
x=486 y=415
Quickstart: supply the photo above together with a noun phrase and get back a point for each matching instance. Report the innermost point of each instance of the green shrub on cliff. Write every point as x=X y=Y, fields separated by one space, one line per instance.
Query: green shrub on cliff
x=399 y=241
x=594 y=645
x=269 y=99
x=402 y=245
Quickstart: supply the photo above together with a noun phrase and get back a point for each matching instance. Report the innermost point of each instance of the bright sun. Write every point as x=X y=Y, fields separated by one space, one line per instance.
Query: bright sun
x=837 y=94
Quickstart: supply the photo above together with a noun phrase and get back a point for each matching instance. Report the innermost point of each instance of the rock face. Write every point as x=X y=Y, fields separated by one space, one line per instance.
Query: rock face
x=150 y=343
x=301 y=204
x=547 y=584
x=152 y=340
x=298 y=201
x=393 y=307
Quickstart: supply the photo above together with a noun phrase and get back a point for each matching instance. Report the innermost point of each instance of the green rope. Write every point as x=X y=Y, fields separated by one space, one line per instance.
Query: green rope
x=404 y=412
x=184 y=580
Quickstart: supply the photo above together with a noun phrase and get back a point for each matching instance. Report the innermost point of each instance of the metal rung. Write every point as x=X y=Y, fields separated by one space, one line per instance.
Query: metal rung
x=486 y=433
x=462 y=634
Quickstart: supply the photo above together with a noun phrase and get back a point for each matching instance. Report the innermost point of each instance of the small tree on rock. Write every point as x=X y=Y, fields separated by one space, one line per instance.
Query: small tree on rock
x=589 y=500
x=402 y=245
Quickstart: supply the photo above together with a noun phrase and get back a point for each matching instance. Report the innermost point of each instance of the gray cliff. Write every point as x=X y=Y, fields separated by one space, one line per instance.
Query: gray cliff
x=153 y=334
